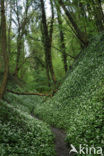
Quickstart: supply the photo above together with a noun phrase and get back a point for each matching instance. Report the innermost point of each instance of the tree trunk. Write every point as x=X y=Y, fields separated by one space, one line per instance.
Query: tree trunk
x=98 y=13
x=51 y=65
x=21 y=31
x=47 y=39
x=18 y=55
x=64 y=55
x=9 y=30
x=81 y=35
x=101 y=10
x=4 y=50
x=47 y=69
x=50 y=45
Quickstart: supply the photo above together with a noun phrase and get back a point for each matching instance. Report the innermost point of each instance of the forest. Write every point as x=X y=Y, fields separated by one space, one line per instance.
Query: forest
x=51 y=77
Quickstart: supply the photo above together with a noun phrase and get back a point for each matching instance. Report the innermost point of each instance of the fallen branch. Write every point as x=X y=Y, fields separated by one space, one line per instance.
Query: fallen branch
x=25 y=93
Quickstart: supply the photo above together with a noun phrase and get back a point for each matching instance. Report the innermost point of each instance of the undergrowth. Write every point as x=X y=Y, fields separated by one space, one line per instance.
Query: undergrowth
x=20 y=133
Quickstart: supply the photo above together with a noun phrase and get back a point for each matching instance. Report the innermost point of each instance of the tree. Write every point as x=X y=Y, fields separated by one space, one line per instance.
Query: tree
x=4 y=50
x=9 y=29
x=62 y=42
x=21 y=26
x=82 y=36
x=98 y=14
x=47 y=40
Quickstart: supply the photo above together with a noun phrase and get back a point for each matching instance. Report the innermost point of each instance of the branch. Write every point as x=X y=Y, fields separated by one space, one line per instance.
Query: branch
x=61 y=53
x=74 y=57
x=14 y=22
x=25 y=93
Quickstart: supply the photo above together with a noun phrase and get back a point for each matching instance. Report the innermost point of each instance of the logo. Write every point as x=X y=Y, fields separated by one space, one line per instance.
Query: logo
x=73 y=150
x=86 y=150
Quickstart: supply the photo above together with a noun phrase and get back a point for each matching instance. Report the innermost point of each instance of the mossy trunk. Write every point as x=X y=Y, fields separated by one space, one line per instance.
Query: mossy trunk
x=82 y=36
x=19 y=47
x=62 y=41
x=4 y=50
x=98 y=15
x=47 y=39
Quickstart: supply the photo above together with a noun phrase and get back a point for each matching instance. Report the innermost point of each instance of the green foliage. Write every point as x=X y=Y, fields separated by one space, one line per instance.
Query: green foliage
x=79 y=104
x=20 y=133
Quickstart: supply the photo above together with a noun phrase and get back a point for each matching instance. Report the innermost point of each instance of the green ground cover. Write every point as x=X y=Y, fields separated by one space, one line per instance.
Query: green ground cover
x=20 y=133
x=78 y=106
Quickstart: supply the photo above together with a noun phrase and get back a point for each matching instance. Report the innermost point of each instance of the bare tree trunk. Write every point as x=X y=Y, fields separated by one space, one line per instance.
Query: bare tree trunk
x=4 y=50
x=64 y=55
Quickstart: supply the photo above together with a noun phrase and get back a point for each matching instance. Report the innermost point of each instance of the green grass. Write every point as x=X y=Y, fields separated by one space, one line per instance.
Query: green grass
x=78 y=106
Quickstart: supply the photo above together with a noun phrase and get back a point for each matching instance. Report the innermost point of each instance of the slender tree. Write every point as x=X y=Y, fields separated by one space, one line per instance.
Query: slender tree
x=98 y=14
x=21 y=24
x=9 y=29
x=62 y=41
x=82 y=36
x=4 y=50
x=47 y=39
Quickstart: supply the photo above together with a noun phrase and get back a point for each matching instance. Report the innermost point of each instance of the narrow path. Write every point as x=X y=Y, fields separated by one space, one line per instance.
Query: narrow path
x=60 y=144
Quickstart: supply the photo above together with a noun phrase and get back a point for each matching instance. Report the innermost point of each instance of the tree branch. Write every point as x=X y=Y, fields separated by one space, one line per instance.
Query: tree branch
x=25 y=93
x=52 y=46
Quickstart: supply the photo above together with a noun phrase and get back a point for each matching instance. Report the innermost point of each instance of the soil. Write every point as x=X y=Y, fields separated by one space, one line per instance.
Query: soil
x=60 y=144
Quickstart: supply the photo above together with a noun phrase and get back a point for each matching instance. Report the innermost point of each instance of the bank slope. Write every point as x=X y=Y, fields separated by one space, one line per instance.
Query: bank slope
x=20 y=133
x=78 y=106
